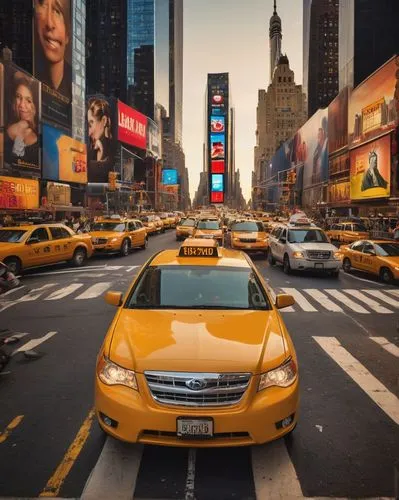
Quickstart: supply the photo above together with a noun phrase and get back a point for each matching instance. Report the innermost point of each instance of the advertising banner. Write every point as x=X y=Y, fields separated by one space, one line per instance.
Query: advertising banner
x=217 y=197
x=217 y=101
x=132 y=126
x=1 y=116
x=372 y=105
x=371 y=170
x=217 y=124
x=153 y=142
x=217 y=167
x=339 y=193
x=217 y=147
x=58 y=194
x=16 y=193
x=171 y=189
x=127 y=174
x=338 y=122
x=21 y=122
x=64 y=158
x=101 y=127
x=217 y=183
x=169 y=176
x=52 y=57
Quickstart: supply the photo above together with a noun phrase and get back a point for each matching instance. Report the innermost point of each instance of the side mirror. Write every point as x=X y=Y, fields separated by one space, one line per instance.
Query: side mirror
x=31 y=241
x=284 y=300
x=114 y=298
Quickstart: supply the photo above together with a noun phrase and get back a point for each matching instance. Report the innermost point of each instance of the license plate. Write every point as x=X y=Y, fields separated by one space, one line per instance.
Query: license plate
x=319 y=266
x=201 y=428
x=248 y=246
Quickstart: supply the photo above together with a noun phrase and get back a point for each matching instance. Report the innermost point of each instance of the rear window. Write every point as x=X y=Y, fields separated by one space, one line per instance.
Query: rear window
x=198 y=287
x=208 y=224
x=306 y=236
x=248 y=226
x=187 y=222
x=11 y=235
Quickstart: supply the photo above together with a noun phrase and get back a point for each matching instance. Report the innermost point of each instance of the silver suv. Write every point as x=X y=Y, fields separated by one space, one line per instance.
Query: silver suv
x=303 y=248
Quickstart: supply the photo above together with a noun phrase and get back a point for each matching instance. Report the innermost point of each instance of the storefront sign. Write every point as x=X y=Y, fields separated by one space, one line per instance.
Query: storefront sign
x=18 y=193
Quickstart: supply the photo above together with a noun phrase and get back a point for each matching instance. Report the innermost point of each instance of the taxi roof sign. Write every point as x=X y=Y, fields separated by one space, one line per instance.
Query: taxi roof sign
x=199 y=247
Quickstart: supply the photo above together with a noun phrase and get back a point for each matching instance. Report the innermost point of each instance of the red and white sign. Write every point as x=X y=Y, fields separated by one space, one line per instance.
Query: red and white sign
x=132 y=126
x=217 y=167
x=217 y=99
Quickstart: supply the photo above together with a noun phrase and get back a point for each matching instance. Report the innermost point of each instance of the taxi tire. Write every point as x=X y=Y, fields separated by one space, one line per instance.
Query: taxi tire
x=125 y=248
x=286 y=264
x=270 y=257
x=145 y=246
x=386 y=275
x=15 y=264
x=346 y=265
x=79 y=257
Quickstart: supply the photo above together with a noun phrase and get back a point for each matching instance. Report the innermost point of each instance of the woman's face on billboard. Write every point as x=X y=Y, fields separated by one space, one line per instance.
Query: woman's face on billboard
x=96 y=127
x=51 y=28
x=24 y=105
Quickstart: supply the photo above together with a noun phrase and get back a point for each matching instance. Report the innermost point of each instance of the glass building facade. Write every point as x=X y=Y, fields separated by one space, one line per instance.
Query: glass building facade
x=79 y=69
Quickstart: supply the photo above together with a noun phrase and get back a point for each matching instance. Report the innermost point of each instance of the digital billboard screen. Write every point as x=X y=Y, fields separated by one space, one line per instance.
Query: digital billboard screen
x=16 y=193
x=217 y=147
x=217 y=167
x=169 y=176
x=217 y=124
x=217 y=183
x=217 y=197
x=132 y=126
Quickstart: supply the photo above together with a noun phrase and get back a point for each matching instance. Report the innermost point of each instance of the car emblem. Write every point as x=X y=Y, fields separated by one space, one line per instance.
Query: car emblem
x=196 y=384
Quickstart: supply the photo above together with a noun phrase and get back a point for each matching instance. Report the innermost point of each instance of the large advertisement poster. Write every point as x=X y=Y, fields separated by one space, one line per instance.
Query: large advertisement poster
x=371 y=170
x=217 y=147
x=52 y=57
x=217 y=183
x=101 y=138
x=18 y=193
x=64 y=158
x=1 y=116
x=338 y=121
x=169 y=176
x=372 y=105
x=132 y=126
x=217 y=124
x=339 y=192
x=21 y=122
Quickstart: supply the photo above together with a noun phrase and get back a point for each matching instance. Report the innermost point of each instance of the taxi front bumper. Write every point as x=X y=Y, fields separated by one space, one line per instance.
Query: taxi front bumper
x=138 y=419
x=259 y=246
x=315 y=265
x=107 y=247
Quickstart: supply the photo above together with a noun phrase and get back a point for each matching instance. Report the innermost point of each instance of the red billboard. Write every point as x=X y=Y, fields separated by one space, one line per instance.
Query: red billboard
x=217 y=197
x=217 y=167
x=132 y=126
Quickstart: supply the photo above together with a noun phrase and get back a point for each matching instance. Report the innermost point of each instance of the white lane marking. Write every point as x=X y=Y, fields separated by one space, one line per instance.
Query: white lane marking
x=12 y=291
x=115 y=473
x=274 y=473
x=113 y=268
x=323 y=300
x=394 y=292
x=94 y=291
x=33 y=343
x=288 y=310
x=369 y=302
x=362 y=279
x=32 y=295
x=63 y=292
x=67 y=271
x=388 y=346
x=189 y=490
x=379 y=295
x=348 y=302
x=88 y=275
x=300 y=299
x=387 y=401
x=131 y=268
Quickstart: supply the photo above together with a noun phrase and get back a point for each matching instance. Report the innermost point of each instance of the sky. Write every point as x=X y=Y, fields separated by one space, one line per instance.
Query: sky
x=232 y=36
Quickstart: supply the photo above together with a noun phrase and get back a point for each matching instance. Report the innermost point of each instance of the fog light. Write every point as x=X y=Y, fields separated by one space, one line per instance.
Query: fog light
x=108 y=421
x=286 y=422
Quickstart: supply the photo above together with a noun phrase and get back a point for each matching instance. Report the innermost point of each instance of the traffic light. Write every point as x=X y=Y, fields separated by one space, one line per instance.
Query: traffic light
x=112 y=181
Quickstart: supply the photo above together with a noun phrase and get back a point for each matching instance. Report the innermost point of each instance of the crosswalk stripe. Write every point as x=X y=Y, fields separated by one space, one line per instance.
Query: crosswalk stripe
x=387 y=401
x=13 y=290
x=323 y=300
x=388 y=346
x=370 y=302
x=63 y=292
x=300 y=299
x=393 y=292
x=383 y=297
x=94 y=291
x=348 y=302
x=36 y=293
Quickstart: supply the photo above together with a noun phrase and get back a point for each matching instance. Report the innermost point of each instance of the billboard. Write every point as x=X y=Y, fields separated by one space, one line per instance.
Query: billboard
x=169 y=176
x=52 y=57
x=217 y=101
x=338 y=121
x=371 y=170
x=1 y=116
x=132 y=126
x=339 y=192
x=217 y=197
x=217 y=124
x=16 y=193
x=372 y=105
x=153 y=142
x=217 y=166
x=217 y=183
x=217 y=147
x=21 y=122
x=101 y=138
x=64 y=158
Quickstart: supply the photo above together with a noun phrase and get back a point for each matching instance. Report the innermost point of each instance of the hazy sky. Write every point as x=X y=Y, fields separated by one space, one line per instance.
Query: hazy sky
x=232 y=36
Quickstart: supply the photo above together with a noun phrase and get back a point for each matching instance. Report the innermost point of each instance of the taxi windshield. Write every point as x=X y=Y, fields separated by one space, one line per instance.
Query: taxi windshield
x=387 y=249
x=187 y=222
x=208 y=224
x=247 y=226
x=119 y=227
x=198 y=287
x=306 y=236
x=145 y=219
x=11 y=235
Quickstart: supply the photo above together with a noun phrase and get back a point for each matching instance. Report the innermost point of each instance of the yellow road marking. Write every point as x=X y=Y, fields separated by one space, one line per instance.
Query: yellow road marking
x=14 y=423
x=54 y=484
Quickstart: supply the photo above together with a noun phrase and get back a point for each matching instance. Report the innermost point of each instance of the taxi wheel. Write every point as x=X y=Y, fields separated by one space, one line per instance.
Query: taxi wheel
x=14 y=264
x=270 y=257
x=347 y=265
x=145 y=244
x=286 y=264
x=125 y=248
x=386 y=275
x=79 y=257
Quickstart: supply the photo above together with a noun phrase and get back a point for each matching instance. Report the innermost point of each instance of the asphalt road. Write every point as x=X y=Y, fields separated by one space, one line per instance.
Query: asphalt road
x=346 y=443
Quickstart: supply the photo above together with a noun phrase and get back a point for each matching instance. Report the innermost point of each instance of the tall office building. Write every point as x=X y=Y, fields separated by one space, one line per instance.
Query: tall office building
x=275 y=36
x=368 y=37
x=320 y=52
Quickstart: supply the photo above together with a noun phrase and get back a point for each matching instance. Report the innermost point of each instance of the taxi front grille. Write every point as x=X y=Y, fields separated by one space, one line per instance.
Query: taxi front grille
x=197 y=389
x=248 y=240
x=99 y=241
x=318 y=254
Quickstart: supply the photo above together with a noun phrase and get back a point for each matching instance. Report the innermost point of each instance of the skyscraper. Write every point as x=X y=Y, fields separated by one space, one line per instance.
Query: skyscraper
x=320 y=52
x=176 y=68
x=275 y=36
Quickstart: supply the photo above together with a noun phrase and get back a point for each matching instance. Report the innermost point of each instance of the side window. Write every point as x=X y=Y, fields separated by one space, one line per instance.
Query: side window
x=358 y=246
x=283 y=234
x=368 y=248
x=58 y=233
x=132 y=226
x=41 y=234
x=139 y=225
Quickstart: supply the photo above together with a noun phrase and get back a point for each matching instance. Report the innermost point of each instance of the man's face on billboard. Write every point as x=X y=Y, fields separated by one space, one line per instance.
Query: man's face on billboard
x=51 y=28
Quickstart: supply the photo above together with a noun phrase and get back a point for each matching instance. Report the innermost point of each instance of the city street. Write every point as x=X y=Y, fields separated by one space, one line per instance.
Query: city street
x=346 y=444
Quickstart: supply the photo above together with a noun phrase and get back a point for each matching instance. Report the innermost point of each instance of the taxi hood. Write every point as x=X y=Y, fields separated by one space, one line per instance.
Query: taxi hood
x=105 y=234
x=246 y=234
x=191 y=340
x=6 y=247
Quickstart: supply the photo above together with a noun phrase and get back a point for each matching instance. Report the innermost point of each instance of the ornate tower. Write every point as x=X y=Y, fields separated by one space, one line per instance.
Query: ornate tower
x=275 y=36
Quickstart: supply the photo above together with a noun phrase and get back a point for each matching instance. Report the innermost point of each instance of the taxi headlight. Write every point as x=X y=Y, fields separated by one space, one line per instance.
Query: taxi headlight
x=111 y=374
x=298 y=255
x=283 y=376
x=113 y=240
x=337 y=255
x=236 y=239
x=396 y=268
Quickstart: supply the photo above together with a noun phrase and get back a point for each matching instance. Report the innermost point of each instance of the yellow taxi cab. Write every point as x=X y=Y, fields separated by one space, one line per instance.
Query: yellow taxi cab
x=185 y=228
x=249 y=235
x=167 y=221
x=197 y=354
x=379 y=257
x=27 y=246
x=209 y=229
x=347 y=232
x=118 y=235
x=150 y=224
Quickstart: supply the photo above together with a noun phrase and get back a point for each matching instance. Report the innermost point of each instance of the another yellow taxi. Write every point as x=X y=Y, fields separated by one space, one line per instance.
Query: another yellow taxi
x=185 y=228
x=197 y=354
x=249 y=235
x=379 y=257
x=27 y=246
x=347 y=232
x=209 y=229
x=118 y=236
x=168 y=221
x=150 y=224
